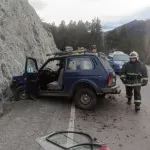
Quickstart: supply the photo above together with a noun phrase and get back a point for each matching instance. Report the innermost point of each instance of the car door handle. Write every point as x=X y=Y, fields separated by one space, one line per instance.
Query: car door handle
x=33 y=81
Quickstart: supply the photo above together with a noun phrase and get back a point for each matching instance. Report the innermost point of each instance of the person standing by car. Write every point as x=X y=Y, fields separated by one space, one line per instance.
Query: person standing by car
x=94 y=49
x=134 y=75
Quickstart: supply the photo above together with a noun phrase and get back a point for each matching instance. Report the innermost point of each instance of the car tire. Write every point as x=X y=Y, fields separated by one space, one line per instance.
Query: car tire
x=85 y=99
x=20 y=93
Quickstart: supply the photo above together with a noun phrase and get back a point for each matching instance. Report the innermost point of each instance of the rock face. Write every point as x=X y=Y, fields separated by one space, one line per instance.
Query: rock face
x=21 y=35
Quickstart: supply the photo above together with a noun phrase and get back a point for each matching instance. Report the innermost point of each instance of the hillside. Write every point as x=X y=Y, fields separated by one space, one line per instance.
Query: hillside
x=21 y=35
x=134 y=35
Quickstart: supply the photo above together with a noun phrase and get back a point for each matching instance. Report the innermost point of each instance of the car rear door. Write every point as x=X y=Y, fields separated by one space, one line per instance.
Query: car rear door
x=31 y=73
x=82 y=69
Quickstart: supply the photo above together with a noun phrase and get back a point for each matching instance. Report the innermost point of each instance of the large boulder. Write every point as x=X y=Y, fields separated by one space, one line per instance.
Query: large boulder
x=21 y=35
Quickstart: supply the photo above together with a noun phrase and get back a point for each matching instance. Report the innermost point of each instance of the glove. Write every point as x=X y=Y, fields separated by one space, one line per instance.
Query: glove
x=123 y=81
x=144 y=82
x=123 y=78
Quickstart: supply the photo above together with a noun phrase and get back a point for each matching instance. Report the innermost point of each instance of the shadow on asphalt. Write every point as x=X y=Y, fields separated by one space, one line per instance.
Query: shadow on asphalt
x=63 y=100
x=29 y=103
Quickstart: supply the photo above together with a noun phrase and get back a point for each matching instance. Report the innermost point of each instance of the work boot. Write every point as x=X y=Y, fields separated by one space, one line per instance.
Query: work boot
x=129 y=102
x=137 y=108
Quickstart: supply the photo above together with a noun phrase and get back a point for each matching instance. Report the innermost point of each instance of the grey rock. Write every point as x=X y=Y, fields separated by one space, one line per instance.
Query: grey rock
x=1 y=109
x=21 y=35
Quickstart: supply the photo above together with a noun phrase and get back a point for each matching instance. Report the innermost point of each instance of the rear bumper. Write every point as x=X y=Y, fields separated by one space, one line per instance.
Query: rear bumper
x=112 y=90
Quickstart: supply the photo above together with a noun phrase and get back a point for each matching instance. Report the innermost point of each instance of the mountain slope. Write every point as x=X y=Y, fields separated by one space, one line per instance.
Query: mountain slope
x=137 y=38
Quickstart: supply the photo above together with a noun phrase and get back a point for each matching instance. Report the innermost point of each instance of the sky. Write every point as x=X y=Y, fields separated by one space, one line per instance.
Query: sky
x=112 y=13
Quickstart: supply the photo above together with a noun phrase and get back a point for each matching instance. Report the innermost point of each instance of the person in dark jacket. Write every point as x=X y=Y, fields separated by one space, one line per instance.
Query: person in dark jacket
x=134 y=75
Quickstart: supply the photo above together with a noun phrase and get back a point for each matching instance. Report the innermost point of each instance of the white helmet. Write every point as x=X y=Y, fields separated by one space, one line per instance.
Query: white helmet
x=134 y=55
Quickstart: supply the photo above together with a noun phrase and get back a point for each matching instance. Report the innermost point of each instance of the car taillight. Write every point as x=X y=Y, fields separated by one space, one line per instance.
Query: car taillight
x=110 y=81
x=104 y=148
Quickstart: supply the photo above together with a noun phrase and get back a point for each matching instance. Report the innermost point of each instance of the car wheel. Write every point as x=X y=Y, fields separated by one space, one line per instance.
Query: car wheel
x=85 y=99
x=20 y=93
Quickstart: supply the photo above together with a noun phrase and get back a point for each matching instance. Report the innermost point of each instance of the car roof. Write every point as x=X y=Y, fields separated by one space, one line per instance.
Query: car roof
x=120 y=54
x=65 y=54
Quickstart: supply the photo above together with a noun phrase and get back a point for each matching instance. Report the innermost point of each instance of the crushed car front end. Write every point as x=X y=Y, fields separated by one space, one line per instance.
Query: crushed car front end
x=16 y=81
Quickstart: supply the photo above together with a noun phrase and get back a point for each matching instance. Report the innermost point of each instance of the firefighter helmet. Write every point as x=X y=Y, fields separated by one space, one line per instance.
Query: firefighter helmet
x=134 y=55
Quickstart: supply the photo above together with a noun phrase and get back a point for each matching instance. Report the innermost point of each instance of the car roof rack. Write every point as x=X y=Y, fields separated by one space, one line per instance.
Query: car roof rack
x=58 y=53
x=62 y=53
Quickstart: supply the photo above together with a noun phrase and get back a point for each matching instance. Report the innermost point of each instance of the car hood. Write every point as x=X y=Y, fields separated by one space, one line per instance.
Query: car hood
x=119 y=62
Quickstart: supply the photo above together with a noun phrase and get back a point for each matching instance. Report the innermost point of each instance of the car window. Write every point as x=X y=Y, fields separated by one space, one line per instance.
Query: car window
x=121 y=58
x=105 y=62
x=82 y=63
x=31 y=66
x=110 y=58
x=54 y=65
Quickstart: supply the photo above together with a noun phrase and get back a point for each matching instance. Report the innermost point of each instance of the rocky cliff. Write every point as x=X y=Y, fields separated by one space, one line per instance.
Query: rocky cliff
x=21 y=34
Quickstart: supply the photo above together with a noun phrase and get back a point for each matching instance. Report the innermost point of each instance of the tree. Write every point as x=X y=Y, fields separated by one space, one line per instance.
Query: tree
x=62 y=35
x=124 y=41
x=112 y=40
x=82 y=35
x=119 y=40
x=96 y=34
x=71 y=34
x=77 y=34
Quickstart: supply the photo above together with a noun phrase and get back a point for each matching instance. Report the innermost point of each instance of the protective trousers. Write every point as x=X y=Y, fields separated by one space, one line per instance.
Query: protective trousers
x=137 y=93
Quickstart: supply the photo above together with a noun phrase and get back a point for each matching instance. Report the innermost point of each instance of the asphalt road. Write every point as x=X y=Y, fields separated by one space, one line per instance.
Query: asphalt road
x=112 y=122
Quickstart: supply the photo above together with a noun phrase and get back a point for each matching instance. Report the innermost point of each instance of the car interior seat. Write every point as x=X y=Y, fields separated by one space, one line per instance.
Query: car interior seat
x=57 y=85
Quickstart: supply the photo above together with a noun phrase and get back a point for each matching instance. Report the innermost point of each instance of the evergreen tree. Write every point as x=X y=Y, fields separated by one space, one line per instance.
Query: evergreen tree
x=124 y=42
x=112 y=40
x=96 y=34
x=82 y=35
x=71 y=34
x=77 y=34
x=62 y=36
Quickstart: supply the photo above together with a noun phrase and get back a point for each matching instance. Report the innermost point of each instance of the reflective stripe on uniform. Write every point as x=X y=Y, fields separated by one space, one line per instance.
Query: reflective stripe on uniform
x=137 y=101
x=144 y=78
x=123 y=76
x=136 y=84
x=132 y=74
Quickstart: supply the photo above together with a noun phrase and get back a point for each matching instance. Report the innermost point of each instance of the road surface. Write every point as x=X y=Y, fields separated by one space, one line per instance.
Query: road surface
x=112 y=122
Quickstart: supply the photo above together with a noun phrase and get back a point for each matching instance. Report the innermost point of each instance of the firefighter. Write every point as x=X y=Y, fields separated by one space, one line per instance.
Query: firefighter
x=134 y=75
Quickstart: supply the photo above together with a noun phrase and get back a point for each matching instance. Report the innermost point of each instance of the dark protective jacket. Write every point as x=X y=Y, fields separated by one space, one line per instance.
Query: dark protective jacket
x=134 y=74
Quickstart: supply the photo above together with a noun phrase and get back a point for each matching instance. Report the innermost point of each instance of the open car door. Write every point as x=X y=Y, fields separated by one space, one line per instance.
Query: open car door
x=31 y=73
